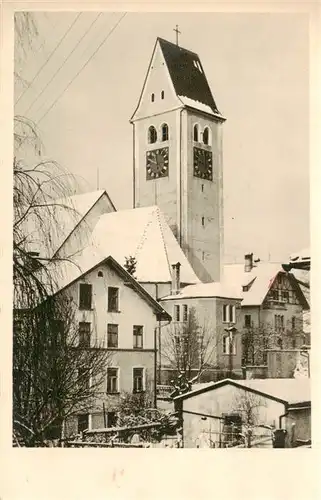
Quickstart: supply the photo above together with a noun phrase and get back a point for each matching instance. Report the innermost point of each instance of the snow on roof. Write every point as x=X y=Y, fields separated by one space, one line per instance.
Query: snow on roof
x=204 y=290
x=139 y=232
x=144 y=234
x=289 y=390
x=187 y=75
x=302 y=255
x=198 y=105
x=64 y=216
x=261 y=275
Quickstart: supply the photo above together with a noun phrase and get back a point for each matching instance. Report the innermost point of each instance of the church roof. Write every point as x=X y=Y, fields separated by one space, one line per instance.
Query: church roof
x=144 y=234
x=65 y=214
x=188 y=77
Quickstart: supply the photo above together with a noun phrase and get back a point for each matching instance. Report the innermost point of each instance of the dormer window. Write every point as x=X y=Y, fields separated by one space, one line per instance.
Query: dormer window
x=195 y=133
x=152 y=97
x=152 y=135
x=164 y=132
x=206 y=136
x=162 y=94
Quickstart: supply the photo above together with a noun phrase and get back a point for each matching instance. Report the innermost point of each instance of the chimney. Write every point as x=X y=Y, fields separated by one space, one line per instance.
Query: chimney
x=176 y=285
x=248 y=262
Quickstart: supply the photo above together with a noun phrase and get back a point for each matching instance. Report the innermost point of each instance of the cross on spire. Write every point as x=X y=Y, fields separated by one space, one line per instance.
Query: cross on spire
x=177 y=33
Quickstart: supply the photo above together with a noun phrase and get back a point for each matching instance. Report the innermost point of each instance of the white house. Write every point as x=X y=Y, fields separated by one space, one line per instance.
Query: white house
x=114 y=312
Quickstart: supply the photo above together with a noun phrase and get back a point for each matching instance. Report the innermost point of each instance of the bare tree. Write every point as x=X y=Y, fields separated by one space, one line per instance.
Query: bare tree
x=188 y=347
x=256 y=340
x=56 y=374
x=50 y=370
x=248 y=406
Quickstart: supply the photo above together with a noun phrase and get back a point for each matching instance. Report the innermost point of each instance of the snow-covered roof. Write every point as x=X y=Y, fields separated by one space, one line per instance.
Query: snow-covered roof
x=144 y=234
x=262 y=276
x=64 y=215
x=139 y=232
x=206 y=290
x=291 y=391
x=200 y=106
x=304 y=254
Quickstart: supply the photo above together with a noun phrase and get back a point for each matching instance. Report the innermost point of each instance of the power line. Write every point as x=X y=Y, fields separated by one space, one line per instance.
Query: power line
x=83 y=67
x=49 y=57
x=64 y=62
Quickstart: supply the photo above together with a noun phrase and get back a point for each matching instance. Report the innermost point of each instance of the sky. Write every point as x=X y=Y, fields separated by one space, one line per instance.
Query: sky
x=257 y=66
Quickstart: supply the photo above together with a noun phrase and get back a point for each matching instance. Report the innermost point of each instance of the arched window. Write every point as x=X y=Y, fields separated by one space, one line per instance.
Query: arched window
x=152 y=97
x=100 y=274
x=164 y=132
x=162 y=94
x=152 y=135
x=195 y=133
x=206 y=136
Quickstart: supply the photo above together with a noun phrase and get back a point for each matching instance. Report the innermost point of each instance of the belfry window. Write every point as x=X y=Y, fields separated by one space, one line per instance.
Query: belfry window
x=152 y=97
x=162 y=94
x=164 y=132
x=152 y=135
x=195 y=133
x=206 y=136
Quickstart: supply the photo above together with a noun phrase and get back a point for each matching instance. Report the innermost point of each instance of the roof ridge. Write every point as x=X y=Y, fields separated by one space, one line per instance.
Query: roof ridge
x=178 y=46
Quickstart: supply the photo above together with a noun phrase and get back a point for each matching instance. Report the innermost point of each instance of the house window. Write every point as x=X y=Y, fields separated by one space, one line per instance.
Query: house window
x=152 y=97
x=113 y=302
x=152 y=135
x=206 y=136
x=203 y=221
x=100 y=274
x=195 y=133
x=185 y=312
x=111 y=419
x=112 y=335
x=112 y=380
x=164 y=132
x=247 y=321
x=232 y=429
x=293 y=343
x=137 y=337
x=293 y=322
x=228 y=313
x=275 y=294
x=176 y=313
x=162 y=94
x=279 y=322
x=138 y=379
x=285 y=296
x=84 y=378
x=227 y=343
x=85 y=296
x=84 y=334
x=202 y=187
x=280 y=343
x=83 y=422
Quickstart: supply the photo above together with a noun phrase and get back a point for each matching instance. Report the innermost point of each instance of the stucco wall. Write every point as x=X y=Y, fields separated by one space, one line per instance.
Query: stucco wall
x=209 y=316
x=133 y=309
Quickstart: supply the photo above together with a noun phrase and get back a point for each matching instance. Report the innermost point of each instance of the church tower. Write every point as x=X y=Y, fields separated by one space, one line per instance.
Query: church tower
x=177 y=133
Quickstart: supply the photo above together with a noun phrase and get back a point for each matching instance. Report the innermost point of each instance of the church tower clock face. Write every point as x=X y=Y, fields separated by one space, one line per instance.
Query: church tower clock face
x=157 y=163
x=203 y=167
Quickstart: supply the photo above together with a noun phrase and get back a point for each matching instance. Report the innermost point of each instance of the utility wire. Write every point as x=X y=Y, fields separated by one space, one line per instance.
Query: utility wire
x=62 y=65
x=83 y=67
x=49 y=57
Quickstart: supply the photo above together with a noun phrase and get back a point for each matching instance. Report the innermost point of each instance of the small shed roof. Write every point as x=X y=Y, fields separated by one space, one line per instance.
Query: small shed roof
x=289 y=391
